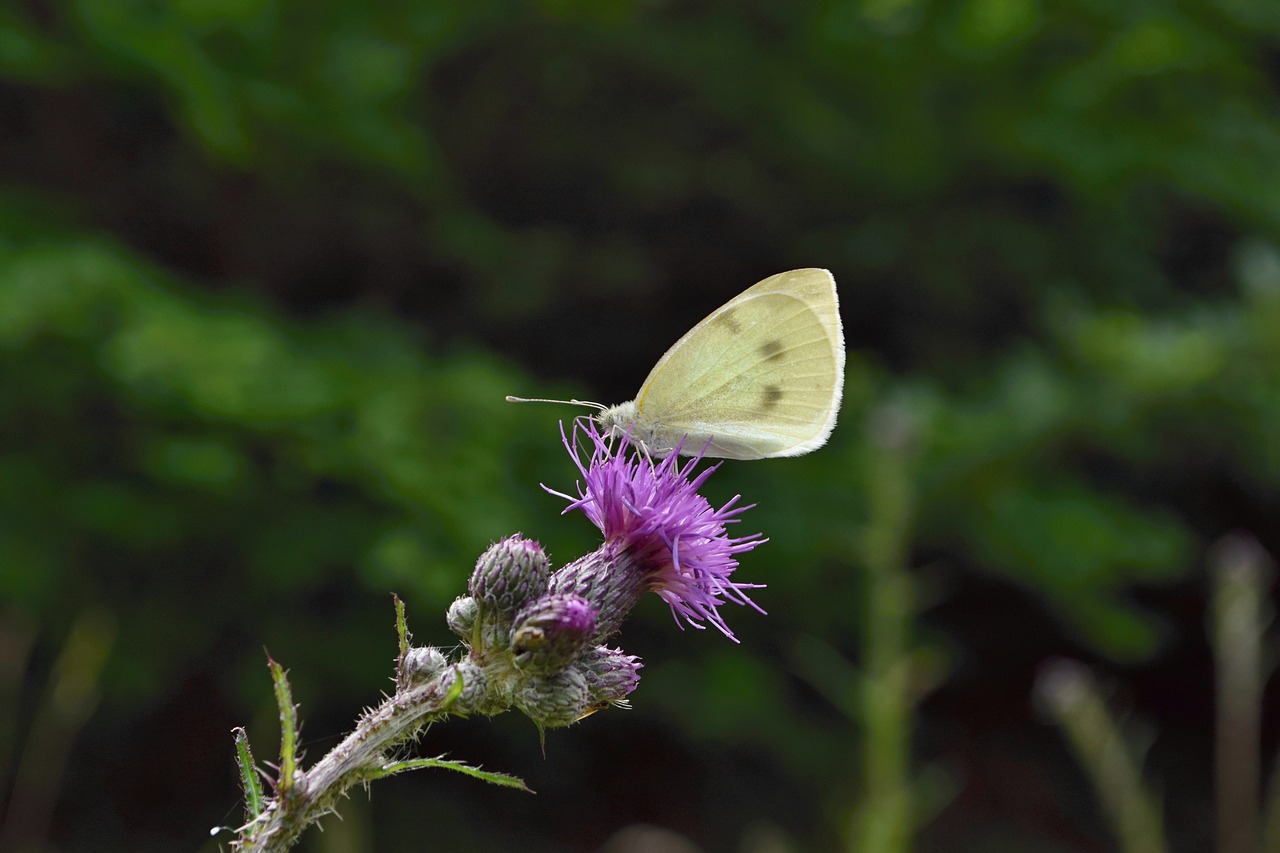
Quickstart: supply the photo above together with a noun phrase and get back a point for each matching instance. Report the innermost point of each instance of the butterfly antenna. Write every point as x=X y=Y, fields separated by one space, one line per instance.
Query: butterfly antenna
x=597 y=406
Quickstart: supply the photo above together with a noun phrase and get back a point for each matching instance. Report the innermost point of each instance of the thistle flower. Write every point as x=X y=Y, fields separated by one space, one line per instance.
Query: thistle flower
x=660 y=534
x=531 y=639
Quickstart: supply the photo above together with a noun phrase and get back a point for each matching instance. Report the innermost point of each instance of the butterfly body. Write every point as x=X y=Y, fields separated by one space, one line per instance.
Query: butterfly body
x=761 y=376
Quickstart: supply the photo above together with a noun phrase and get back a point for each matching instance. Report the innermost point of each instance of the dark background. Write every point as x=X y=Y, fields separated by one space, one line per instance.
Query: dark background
x=267 y=269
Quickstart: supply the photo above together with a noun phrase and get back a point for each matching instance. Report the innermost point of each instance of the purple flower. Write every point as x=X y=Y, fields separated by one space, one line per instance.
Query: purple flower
x=652 y=516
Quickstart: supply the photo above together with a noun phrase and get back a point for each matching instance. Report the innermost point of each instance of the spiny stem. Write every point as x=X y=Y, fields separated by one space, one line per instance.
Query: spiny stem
x=361 y=756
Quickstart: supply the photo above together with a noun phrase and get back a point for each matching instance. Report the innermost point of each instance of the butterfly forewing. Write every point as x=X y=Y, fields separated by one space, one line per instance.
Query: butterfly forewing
x=761 y=376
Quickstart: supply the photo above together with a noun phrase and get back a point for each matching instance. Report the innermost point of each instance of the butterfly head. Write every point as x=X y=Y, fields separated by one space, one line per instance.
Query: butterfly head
x=617 y=420
x=646 y=434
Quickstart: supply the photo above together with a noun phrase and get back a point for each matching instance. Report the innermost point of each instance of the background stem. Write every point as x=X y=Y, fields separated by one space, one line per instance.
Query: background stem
x=1240 y=570
x=883 y=821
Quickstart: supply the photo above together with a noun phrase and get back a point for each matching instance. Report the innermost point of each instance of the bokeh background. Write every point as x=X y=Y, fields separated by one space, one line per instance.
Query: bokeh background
x=268 y=268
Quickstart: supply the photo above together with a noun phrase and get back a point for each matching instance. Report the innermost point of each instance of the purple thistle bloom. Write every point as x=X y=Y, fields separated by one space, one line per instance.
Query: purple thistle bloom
x=650 y=510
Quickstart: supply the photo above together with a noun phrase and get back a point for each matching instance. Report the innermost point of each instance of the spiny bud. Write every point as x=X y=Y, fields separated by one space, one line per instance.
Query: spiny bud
x=555 y=700
x=611 y=675
x=462 y=616
x=551 y=632
x=475 y=687
x=421 y=664
x=495 y=636
x=510 y=573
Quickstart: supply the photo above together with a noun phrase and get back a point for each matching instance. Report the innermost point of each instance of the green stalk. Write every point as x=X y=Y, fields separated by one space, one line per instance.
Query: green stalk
x=1069 y=695
x=884 y=820
x=69 y=701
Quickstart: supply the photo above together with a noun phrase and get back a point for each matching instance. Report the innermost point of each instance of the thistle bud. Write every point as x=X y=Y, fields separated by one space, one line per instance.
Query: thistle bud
x=510 y=573
x=610 y=674
x=554 y=701
x=462 y=616
x=421 y=664
x=551 y=632
x=475 y=687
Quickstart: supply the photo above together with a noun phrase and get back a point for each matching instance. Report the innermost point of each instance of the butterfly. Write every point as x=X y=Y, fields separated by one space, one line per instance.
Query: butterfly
x=761 y=376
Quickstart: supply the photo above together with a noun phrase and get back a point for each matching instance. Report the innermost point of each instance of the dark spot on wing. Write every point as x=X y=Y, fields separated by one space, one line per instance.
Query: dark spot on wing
x=729 y=320
x=771 y=350
x=772 y=396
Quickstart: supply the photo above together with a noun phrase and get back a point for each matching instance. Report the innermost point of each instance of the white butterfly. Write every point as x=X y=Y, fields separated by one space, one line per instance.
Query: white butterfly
x=761 y=376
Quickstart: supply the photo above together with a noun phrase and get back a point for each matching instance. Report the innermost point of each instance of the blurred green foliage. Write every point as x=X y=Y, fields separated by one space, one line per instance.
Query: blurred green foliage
x=266 y=270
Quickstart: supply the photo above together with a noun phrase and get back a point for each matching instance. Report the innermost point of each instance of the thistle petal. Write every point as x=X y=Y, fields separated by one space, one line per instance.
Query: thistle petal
x=651 y=509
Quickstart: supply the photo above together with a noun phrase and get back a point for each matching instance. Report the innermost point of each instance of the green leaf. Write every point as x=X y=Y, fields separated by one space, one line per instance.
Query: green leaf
x=249 y=780
x=402 y=629
x=503 y=779
x=455 y=690
x=288 y=727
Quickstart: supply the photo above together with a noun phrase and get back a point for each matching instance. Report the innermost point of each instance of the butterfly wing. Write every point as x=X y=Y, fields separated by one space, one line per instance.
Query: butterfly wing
x=761 y=376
